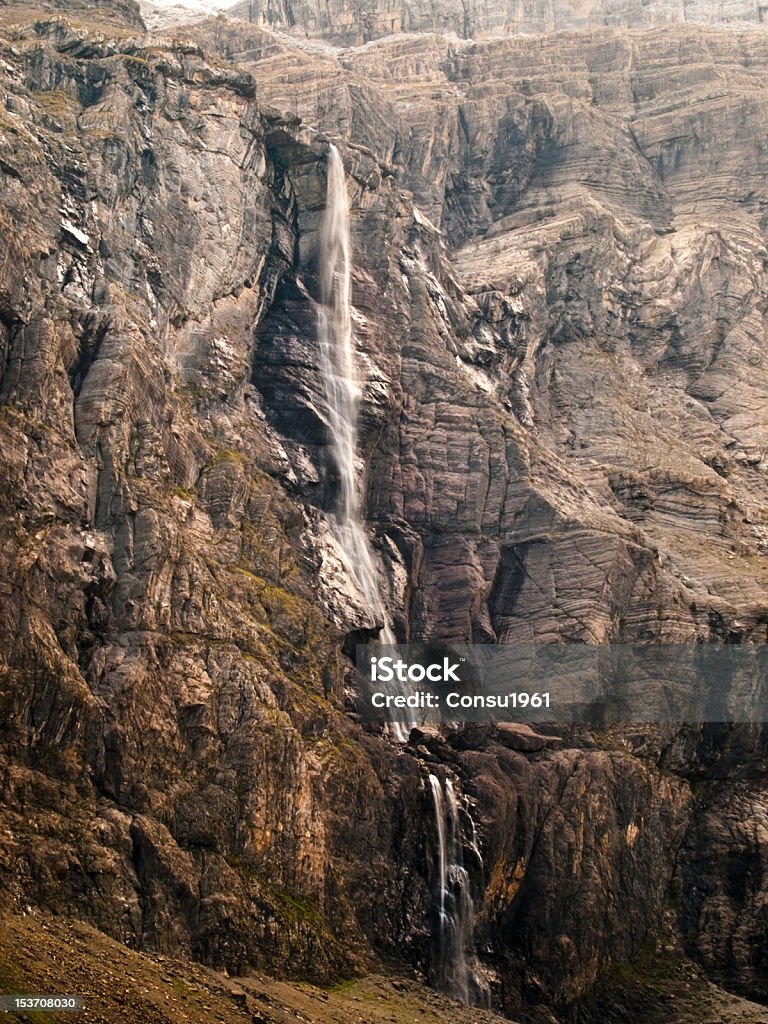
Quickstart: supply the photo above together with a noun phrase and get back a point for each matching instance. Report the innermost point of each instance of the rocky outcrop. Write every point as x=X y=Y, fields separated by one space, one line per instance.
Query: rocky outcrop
x=352 y=24
x=586 y=293
x=175 y=760
x=558 y=271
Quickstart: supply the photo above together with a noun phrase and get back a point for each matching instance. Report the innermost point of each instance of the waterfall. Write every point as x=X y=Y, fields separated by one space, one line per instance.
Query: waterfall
x=342 y=395
x=337 y=364
x=454 y=963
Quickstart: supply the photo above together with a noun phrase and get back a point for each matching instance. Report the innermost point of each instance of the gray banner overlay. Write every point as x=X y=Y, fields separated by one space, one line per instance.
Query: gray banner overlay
x=40 y=1004
x=602 y=684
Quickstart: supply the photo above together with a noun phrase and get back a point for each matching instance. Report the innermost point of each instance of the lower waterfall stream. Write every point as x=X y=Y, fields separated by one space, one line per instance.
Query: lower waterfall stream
x=453 y=967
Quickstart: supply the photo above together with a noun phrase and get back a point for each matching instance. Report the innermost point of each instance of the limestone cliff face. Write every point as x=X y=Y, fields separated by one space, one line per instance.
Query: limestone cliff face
x=580 y=283
x=351 y=24
x=559 y=279
x=175 y=762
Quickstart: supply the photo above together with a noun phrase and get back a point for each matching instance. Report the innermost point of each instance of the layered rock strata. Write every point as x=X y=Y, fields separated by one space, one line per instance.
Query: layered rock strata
x=559 y=267
x=352 y=24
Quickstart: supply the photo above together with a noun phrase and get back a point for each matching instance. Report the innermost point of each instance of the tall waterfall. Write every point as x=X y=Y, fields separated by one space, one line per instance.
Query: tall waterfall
x=454 y=963
x=342 y=394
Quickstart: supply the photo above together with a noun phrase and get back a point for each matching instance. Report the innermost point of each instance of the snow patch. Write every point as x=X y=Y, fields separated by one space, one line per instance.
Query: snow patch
x=161 y=14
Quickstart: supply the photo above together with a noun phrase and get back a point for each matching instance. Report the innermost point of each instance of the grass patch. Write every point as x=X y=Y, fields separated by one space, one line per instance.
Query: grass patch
x=342 y=985
x=227 y=456
x=10 y=983
x=55 y=102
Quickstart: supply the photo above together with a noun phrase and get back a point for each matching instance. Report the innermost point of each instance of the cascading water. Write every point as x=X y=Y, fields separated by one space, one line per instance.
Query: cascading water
x=454 y=972
x=342 y=393
x=453 y=965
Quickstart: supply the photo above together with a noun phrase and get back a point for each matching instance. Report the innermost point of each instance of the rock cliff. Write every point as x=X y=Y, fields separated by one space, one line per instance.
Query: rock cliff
x=559 y=270
x=351 y=24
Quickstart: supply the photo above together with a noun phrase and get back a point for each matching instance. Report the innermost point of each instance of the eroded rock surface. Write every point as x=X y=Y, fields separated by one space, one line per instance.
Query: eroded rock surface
x=559 y=269
x=356 y=23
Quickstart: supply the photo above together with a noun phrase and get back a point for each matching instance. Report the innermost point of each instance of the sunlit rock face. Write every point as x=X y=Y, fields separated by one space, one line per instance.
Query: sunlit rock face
x=350 y=24
x=587 y=221
x=558 y=271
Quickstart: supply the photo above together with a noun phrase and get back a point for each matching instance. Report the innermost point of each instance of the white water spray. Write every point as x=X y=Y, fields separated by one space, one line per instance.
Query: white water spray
x=342 y=394
x=453 y=965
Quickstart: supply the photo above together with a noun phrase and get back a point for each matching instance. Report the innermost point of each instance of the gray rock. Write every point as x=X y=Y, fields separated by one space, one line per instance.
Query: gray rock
x=559 y=264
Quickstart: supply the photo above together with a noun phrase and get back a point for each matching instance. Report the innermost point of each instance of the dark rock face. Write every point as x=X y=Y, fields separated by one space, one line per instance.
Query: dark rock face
x=175 y=764
x=559 y=270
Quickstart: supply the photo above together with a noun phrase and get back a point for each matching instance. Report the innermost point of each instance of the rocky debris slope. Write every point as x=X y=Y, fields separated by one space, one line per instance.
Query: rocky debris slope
x=668 y=988
x=119 y=986
x=559 y=262
x=46 y=954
